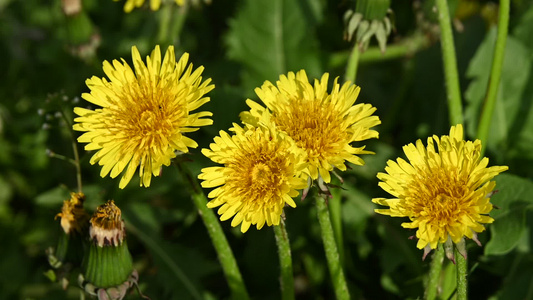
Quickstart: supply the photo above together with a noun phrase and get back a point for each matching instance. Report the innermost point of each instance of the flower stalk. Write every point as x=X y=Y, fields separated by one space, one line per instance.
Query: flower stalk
x=224 y=252
x=335 y=210
x=495 y=74
x=332 y=253
x=285 y=261
x=462 y=272
x=171 y=22
x=353 y=64
x=434 y=274
x=451 y=74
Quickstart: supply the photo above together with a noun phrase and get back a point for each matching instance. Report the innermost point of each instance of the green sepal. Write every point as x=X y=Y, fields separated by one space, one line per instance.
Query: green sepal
x=108 y=266
x=50 y=274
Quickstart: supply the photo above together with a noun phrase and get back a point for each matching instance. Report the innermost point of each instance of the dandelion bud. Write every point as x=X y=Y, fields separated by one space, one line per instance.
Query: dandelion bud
x=370 y=18
x=108 y=267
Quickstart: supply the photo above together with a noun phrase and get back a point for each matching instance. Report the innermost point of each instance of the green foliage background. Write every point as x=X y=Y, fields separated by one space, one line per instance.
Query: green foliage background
x=241 y=44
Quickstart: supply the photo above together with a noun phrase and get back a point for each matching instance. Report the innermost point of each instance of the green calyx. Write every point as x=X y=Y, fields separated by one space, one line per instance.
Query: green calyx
x=372 y=9
x=108 y=266
x=370 y=18
x=70 y=249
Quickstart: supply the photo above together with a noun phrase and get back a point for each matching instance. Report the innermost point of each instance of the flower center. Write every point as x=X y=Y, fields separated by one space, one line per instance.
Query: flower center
x=440 y=196
x=314 y=126
x=260 y=175
x=149 y=117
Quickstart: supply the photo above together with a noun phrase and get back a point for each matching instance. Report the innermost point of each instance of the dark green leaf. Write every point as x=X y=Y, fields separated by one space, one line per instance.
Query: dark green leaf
x=273 y=37
x=53 y=197
x=513 y=198
x=515 y=74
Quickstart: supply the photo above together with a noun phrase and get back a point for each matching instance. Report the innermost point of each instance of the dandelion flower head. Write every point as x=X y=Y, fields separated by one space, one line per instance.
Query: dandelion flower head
x=144 y=114
x=154 y=4
x=260 y=173
x=445 y=193
x=323 y=124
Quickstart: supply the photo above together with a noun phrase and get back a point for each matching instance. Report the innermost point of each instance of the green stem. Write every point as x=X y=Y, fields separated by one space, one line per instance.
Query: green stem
x=405 y=48
x=77 y=165
x=285 y=261
x=76 y=160
x=170 y=24
x=165 y=15
x=462 y=271
x=178 y=23
x=353 y=62
x=434 y=273
x=330 y=247
x=225 y=255
x=450 y=64
x=495 y=74
x=335 y=210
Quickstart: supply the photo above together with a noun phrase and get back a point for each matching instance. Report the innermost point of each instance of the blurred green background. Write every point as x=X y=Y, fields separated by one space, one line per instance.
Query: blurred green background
x=46 y=56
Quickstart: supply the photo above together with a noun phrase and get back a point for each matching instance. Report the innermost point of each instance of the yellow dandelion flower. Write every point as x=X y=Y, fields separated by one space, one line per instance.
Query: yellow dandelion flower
x=323 y=124
x=445 y=194
x=154 y=4
x=260 y=174
x=144 y=114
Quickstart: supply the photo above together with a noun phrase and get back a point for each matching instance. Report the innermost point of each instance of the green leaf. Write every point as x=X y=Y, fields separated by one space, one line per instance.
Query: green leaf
x=517 y=283
x=273 y=37
x=53 y=197
x=524 y=29
x=514 y=79
x=356 y=211
x=522 y=130
x=513 y=199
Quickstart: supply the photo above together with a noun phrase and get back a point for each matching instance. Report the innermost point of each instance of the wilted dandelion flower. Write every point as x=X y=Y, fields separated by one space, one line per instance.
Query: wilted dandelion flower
x=445 y=194
x=73 y=216
x=260 y=174
x=71 y=244
x=323 y=124
x=144 y=114
x=107 y=271
x=154 y=4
